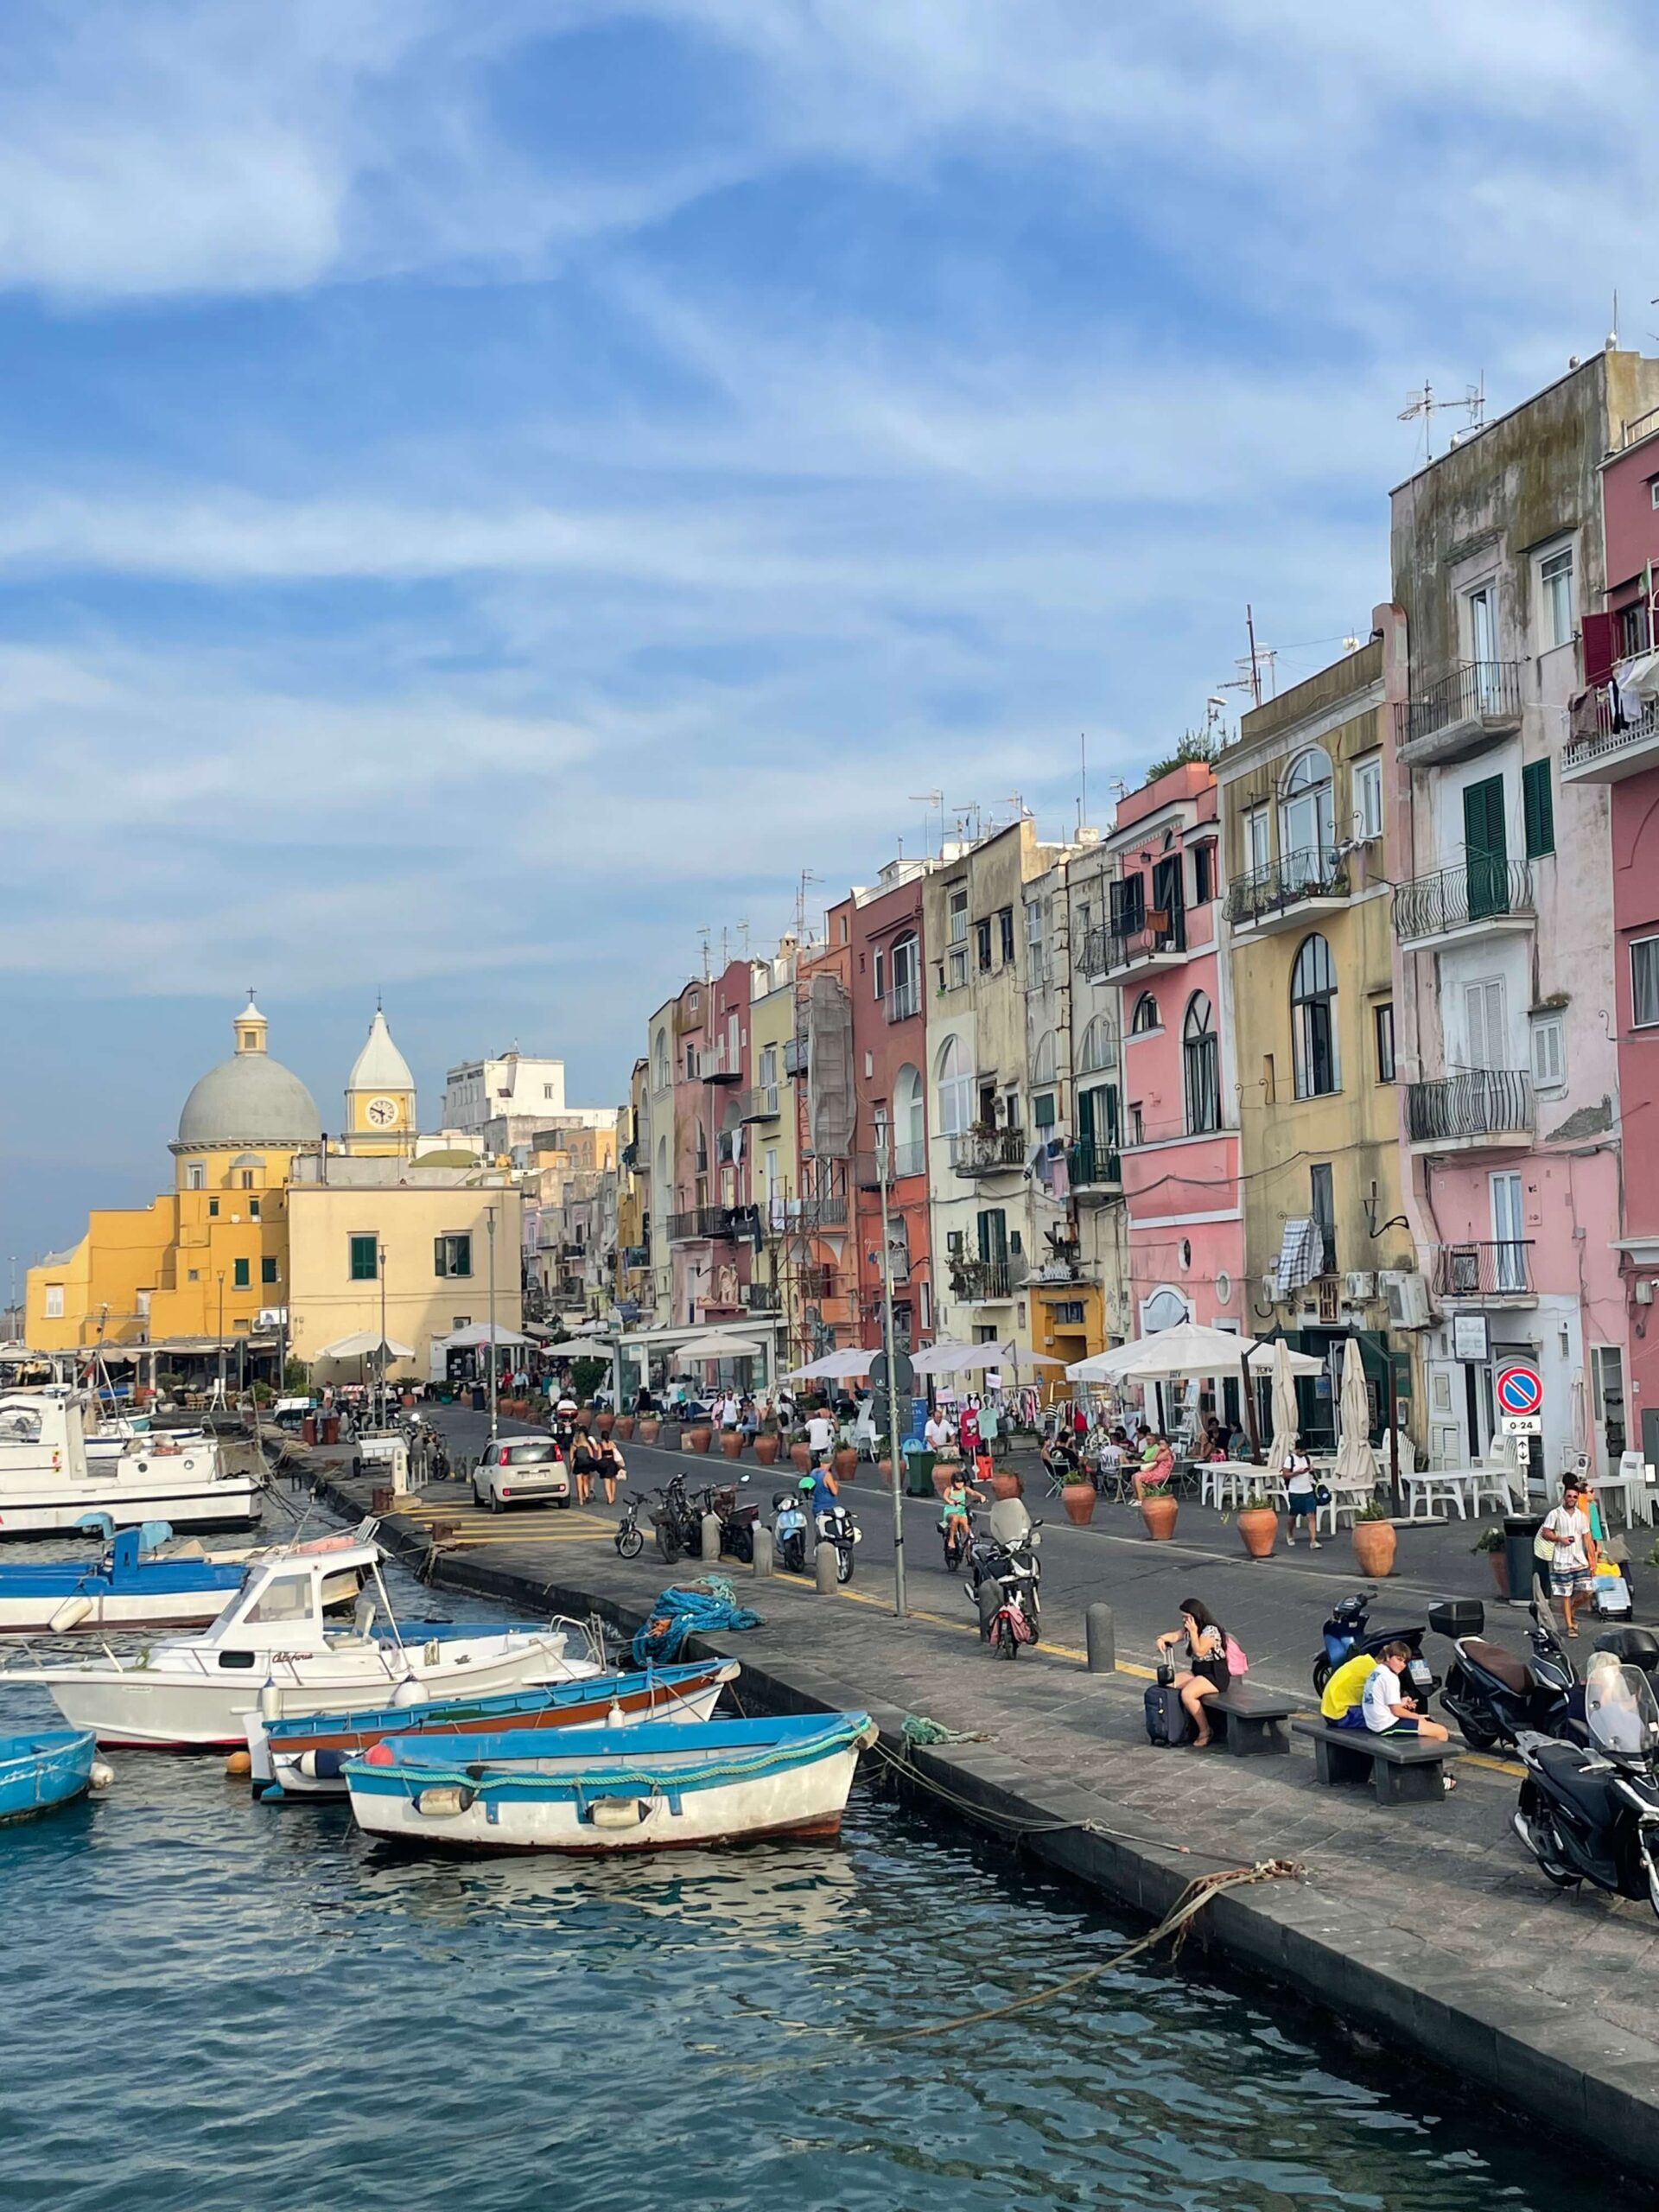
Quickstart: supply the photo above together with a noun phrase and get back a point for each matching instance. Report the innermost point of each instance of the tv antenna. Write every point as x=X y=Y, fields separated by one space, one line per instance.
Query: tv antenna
x=927 y=801
x=1250 y=665
x=1423 y=403
x=704 y=935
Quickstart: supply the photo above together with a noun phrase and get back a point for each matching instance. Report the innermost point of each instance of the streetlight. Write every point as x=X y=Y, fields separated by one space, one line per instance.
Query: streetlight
x=489 y=1215
x=883 y=1168
x=222 y=1337
x=380 y=1270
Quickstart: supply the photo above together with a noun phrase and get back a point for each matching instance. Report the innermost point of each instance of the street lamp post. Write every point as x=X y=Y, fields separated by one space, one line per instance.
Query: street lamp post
x=489 y=1216
x=883 y=1159
x=221 y=1336
x=380 y=1270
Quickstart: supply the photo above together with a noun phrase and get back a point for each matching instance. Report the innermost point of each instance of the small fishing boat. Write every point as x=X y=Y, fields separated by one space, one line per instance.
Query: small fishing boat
x=50 y=1767
x=48 y=1482
x=135 y=1584
x=301 y=1758
x=587 y=1790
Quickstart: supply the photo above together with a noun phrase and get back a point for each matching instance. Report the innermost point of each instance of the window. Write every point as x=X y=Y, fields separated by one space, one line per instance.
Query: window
x=879 y=966
x=659 y=1061
x=1098 y=1051
x=1485 y=1025
x=768 y=1066
x=244 y=1178
x=1644 y=982
x=212 y=1209
x=703 y=1150
x=1633 y=627
x=366 y=1259
x=1509 y=1233
x=193 y=1274
x=194 y=1176
x=1367 y=786
x=452 y=1256
x=1555 y=593
x=1383 y=1029
x=1538 y=809
x=1127 y=904
x=1204 y=873
x=910 y=1156
x=546 y=1091
x=1042 y=1110
x=1653 y=491
x=1549 y=1051
x=1313 y=1020
x=1607 y=1383
x=253 y=1209
x=1005 y=936
x=1201 y=1066
x=268 y=1268
x=956 y=1086
x=958 y=934
x=1322 y=1205
x=982 y=947
x=1145 y=1016
x=241 y=1277
x=1307 y=816
x=905 y=978
x=55 y=1301
x=1258 y=841
x=1043 y=1061
x=286 y=1598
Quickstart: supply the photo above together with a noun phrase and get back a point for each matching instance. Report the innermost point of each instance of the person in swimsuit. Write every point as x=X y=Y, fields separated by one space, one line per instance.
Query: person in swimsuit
x=1206 y=1671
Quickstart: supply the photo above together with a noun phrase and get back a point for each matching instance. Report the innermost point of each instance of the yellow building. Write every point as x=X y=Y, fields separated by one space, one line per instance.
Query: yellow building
x=1306 y=963
x=196 y=1265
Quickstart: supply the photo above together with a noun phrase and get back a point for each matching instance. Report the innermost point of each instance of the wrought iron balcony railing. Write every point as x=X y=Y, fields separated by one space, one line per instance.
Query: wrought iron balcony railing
x=1285 y=885
x=1093 y=1165
x=1478 y=694
x=759 y=1104
x=1462 y=1108
x=1480 y=889
x=1162 y=936
x=983 y=1282
x=989 y=1152
x=699 y=1222
x=1500 y=1269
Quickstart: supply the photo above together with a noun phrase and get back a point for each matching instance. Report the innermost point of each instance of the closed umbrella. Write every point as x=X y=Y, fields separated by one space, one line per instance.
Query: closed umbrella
x=1286 y=1421
x=1356 y=1465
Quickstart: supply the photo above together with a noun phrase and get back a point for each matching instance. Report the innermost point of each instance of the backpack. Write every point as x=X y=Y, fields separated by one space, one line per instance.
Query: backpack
x=1236 y=1662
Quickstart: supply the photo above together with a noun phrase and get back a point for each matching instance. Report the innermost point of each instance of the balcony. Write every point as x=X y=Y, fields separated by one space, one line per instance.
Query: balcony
x=1059 y=1268
x=698 y=1222
x=1622 y=745
x=1485 y=1110
x=715 y=1066
x=794 y=1056
x=823 y=1202
x=1479 y=702
x=988 y=1282
x=904 y=1002
x=989 y=1152
x=1474 y=898
x=1094 y=1169
x=1490 y=1272
x=1289 y=891
x=759 y=1104
x=1159 y=942
x=902 y=1159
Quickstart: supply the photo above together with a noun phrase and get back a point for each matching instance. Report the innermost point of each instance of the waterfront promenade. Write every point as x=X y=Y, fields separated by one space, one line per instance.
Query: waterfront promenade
x=1426 y=1927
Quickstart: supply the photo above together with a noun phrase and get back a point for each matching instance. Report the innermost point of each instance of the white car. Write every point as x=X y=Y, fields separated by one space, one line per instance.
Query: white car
x=521 y=1470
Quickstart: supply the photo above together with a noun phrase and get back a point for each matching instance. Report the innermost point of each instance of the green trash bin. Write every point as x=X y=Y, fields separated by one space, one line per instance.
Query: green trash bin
x=918 y=1473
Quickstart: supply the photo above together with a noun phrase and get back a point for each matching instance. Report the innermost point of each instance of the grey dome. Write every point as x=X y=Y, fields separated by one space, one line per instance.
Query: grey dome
x=250 y=1099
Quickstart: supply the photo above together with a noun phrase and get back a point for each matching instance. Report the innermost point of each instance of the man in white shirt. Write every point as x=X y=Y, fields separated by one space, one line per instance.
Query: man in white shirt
x=820 y=1436
x=1573 y=1561
x=936 y=1436
x=1383 y=1701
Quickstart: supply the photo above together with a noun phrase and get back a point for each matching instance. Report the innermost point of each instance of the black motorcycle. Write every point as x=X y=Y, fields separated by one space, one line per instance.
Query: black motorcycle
x=1493 y=1694
x=1005 y=1579
x=1348 y=1632
x=736 y=1522
x=1591 y=1813
x=677 y=1522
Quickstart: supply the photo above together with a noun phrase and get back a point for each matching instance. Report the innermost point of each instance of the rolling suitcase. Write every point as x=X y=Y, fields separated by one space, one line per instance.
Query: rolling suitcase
x=1166 y=1721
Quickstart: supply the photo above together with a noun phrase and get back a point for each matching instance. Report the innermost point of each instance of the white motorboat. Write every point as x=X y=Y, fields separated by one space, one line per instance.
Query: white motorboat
x=49 y=1485
x=272 y=1650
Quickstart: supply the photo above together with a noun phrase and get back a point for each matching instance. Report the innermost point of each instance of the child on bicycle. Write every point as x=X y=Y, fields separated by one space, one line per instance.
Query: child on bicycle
x=954 y=1524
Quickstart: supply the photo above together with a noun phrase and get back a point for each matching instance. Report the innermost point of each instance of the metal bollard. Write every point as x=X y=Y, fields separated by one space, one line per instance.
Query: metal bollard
x=765 y=1551
x=1100 y=1634
x=824 y=1562
x=710 y=1539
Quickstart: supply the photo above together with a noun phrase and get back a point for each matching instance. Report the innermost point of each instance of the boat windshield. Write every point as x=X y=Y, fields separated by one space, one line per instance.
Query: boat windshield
x=19 y=1425
x=1619 y=1710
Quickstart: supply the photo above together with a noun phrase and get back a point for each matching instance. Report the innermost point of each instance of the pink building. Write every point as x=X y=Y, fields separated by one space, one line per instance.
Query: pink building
x=1179 y=1133
x=710 y=1223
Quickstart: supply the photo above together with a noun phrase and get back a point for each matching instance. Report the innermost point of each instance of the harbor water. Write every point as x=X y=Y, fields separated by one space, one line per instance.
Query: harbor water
x=218 y=2006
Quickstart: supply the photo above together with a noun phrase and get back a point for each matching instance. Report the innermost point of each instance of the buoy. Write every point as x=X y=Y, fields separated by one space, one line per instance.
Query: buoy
x=238 y=1763
x=102 y=1775
x=380 y=1755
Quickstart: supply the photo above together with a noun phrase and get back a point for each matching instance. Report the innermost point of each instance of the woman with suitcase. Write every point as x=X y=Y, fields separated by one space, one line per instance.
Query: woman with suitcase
x=1206 y=1671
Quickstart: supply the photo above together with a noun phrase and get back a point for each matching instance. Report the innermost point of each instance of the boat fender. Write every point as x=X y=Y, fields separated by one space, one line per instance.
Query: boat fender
x=322 y=1765
x=102 y=1775
x=444 y=1800
x=614 y=1718
x=432 y=1653
x=271 y=1700
x=410 y=1691
x=70 y=1614
x=619 y=1812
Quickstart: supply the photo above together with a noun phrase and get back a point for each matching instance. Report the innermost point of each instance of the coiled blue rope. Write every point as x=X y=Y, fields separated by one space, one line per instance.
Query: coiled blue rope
x=679 y=1613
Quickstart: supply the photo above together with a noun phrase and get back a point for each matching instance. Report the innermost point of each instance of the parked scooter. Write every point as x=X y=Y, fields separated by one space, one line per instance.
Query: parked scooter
x=1348 y=1632
x=789 y=1531
x=834 y=1524
x=1493 y=1694
x=1005 y=1579
x=736 y=1522
x=1591 y=1815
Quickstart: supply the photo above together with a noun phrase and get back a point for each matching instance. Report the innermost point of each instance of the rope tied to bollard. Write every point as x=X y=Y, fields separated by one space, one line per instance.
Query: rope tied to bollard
x=1173 y=1926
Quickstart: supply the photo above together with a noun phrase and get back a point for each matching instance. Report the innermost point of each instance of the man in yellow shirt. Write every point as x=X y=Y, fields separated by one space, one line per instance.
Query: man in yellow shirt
x=1342 y=1704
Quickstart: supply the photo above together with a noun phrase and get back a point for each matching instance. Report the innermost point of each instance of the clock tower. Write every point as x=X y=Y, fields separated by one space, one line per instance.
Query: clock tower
x=380 y=1095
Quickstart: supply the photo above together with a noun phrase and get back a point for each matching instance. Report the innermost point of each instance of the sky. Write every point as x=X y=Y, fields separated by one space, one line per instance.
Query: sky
x=492 y=492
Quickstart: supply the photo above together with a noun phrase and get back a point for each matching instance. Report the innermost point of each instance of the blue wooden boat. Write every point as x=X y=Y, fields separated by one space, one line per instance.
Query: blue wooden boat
x=122 y=1588
x=588 y=1791
x=54 y=1766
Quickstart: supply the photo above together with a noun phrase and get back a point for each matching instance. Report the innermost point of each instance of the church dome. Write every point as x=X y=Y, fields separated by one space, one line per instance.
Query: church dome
x=381 y=1065
x=250 y=1098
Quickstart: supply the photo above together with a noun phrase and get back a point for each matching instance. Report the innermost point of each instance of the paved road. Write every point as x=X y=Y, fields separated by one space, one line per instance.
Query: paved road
x=1275 y=1607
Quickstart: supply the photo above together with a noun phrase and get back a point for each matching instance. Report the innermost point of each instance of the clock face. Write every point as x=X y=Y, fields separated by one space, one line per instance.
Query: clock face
x=380 y=1113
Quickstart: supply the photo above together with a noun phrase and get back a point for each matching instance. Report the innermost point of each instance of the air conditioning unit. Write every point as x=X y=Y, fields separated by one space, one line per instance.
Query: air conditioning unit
x=1408 y=1295
x=1360 y=1289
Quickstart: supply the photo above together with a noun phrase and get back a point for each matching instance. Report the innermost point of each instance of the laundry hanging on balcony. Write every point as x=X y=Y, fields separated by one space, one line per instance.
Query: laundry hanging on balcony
x=1301 y=1256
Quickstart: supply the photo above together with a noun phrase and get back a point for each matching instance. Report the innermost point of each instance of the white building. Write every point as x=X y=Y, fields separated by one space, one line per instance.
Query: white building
x=480 y=1091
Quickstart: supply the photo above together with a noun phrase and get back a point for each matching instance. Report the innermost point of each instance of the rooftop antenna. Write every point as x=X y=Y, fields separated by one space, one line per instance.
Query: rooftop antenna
x=1250 y=665
x=1083 y=778
x=743 y=932
x=808 y=876
x=704 y=933
x=927 y=800
x=1612 y=335
x=1424 y=403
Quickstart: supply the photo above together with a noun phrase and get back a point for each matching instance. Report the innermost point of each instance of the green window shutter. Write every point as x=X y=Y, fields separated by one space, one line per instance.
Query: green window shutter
x=268 y=1269
x=364 y=1263
x=240 y=1282
x=1042 y=1110
x=1538 y=805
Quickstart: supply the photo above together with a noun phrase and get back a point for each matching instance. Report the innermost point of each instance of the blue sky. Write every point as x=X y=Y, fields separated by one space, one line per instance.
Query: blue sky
x=490 y=492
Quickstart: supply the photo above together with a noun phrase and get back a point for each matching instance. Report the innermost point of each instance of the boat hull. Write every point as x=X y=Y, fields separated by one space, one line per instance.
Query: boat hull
x=39 y=1772
x=45 y=1506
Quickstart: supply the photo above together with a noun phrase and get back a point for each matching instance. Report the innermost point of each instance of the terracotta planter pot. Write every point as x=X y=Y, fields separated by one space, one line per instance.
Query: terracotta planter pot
x=731 y=1443
x=1159 y=1514
x=1004 y=1485
x=884 y=1473
x=607 y=1423
x=1259 y=1526
x=650 y=1428
x=1079 y=1500
x=625 y=1427
x=767 y=1449
x=845 y=1465
x=1373 y=1548
x=943 y=1477
x=802 y=1456
x=699 y=1436
x=1499 y=1564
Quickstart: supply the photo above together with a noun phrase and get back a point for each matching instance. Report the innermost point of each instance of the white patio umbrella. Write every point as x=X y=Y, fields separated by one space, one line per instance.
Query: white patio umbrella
x=832 y=1366
x=363 y=1345
x=1016 y=1356
x=956 y=1359
x=1285 y=1419
x=479 y=1334
x=576 y=1348
x=1265 y=1359
x=1355 y=1461
x=722 y=1347
x=1188 y=1350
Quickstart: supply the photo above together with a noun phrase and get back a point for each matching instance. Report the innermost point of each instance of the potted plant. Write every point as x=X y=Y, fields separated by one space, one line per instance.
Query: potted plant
x=884 y=1472
x=845 y=1463
x=699 y=1436
x=650 y=1428
x=731 y=1442
x=1079 y=1498
x=1005 y=1483
x=625 y=1427
x=1374 y=1541
x=1158 y=1510
x=801 y=1453
x=605 y=1423
x=767 y=1443
x=1491 y=1540
x=1258 y=1524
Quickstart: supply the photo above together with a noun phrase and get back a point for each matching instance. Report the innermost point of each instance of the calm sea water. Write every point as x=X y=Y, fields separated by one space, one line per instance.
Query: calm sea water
x=216 y=2007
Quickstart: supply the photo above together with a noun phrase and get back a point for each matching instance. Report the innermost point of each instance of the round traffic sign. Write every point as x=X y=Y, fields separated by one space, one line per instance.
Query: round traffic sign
x=1520 y=1387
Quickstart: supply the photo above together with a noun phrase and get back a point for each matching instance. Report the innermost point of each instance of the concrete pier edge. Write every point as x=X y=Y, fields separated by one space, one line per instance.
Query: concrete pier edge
x=1598 y=2083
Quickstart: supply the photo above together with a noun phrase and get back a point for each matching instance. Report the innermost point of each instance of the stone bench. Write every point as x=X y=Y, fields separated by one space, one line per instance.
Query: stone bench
x=1250 y=1722
x=1402 y=1769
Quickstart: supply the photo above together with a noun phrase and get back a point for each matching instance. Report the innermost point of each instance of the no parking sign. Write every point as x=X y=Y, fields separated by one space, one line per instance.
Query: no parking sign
x=1520 y=1389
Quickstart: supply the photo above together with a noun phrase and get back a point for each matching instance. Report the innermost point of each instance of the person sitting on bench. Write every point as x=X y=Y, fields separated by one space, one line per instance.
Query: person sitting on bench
x=1206 y=1671
x=1385 y=1705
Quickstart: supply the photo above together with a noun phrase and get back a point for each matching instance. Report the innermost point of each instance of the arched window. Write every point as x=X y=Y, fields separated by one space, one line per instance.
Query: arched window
x=1042 y=1062
x=955 y=1080
x=1313 y=1020
x=1306 y=817
x=909 y=1124
x=1145 y=1016
x=659 y=1061
x=662 y=1167
x=1098 y=1052
x=1201 y=1066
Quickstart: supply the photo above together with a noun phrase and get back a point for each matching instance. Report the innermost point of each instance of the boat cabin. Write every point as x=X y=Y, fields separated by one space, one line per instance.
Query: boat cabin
x=280 y=1606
